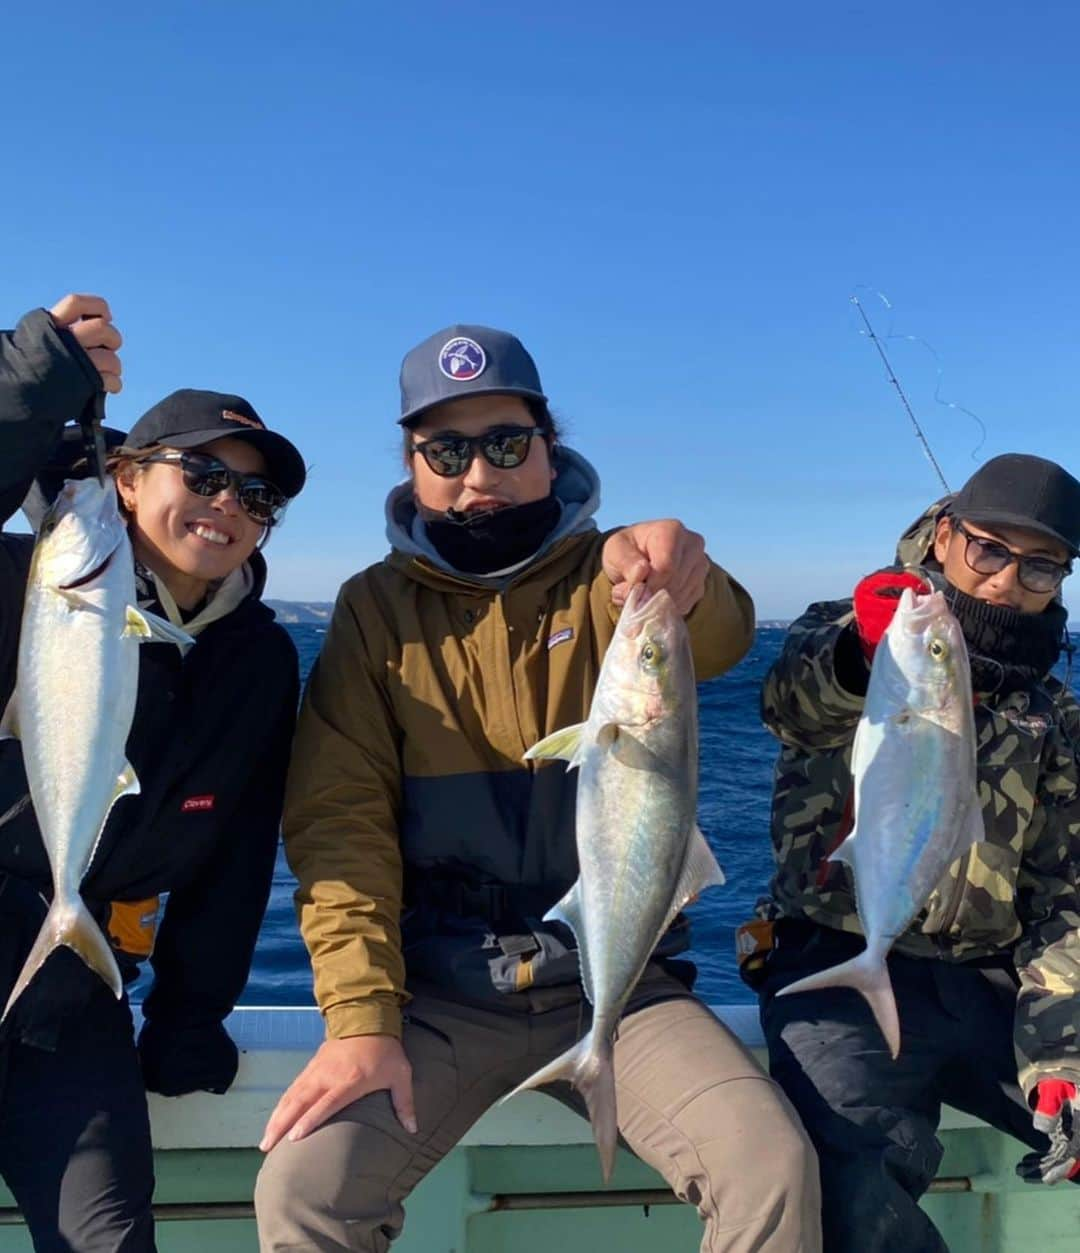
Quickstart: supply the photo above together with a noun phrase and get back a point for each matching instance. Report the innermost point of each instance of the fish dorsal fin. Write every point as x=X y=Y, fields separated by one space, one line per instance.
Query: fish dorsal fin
x=147 y=627
x=9 y=723
x=127 y=784
x=566 y=744
x=568 y=912
x=700 y=870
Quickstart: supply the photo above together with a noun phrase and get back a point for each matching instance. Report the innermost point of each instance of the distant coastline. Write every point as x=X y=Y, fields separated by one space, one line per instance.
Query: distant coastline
x=308 y=612
x=317 y=613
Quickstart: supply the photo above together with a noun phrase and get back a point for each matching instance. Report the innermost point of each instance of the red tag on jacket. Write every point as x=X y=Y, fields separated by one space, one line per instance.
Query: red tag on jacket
x=194 y=803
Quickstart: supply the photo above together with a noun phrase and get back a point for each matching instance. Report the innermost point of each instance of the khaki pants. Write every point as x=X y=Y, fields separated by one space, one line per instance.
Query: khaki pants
x=691 y=1102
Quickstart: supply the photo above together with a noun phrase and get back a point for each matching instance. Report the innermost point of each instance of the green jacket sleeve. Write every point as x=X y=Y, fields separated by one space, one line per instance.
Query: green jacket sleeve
x=1048 y=953
x=342 y=810
x=812 y=697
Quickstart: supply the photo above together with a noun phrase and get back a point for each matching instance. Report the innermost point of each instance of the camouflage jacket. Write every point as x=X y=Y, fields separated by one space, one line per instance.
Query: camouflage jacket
x=1014 y=894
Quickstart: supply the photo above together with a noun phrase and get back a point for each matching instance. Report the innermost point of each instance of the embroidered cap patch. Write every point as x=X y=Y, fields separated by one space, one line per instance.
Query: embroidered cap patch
x=462 y=359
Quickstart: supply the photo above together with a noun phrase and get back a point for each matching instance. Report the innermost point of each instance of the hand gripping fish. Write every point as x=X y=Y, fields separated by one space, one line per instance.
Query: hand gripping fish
x=640 y=853
x=74 y=702
x=916 y=806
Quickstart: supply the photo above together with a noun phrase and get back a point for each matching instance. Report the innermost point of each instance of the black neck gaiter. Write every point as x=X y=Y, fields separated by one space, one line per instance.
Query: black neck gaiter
x=480 y=543
x=1009 y=650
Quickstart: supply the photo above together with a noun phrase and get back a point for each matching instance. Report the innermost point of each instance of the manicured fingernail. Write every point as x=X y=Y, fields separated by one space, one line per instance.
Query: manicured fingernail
x=410 y=1126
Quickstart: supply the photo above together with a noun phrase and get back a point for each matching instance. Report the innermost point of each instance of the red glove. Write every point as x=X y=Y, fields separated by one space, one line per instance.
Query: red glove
x=1057 y=1112
x=876 y=600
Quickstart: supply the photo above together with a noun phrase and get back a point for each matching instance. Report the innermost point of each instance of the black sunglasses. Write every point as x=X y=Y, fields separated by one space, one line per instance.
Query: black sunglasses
x=504 y=447
x=206 y=476
x=988 y=556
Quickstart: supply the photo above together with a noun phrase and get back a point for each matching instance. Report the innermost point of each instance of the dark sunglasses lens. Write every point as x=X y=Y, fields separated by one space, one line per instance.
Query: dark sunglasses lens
x=261 y=500
x=507 y=449
x=1040 y=576
x=204 y=480
x=447 y=457
x=985 y=557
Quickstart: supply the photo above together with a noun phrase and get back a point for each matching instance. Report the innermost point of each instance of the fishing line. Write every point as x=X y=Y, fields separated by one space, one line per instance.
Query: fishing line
x=900 y=392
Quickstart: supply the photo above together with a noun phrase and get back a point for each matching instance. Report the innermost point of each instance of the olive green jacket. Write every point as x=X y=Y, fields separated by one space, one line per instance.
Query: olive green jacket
x=408 y=756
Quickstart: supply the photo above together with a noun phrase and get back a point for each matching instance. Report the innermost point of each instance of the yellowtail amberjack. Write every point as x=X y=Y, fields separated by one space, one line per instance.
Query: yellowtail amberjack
x=640 y=853
x=74 y=701
x=916 y=808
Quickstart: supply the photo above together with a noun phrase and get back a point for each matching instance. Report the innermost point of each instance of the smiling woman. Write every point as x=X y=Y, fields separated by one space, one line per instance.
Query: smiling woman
x=203 y=743
x=203 y=481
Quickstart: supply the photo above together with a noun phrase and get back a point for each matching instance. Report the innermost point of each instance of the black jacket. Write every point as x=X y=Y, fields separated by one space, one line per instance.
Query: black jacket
x=209 y=744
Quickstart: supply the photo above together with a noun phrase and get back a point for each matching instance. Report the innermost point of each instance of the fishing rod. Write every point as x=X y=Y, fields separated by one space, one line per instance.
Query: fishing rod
x=900 y=392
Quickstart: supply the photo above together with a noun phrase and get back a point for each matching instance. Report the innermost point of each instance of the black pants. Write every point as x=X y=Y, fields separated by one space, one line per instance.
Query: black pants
x=873 y=1120
x=75 y=1136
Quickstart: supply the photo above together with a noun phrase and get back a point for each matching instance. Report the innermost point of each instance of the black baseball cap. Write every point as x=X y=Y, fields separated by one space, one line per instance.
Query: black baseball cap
x=1019 y=490
x=188 y=418
x=465 y=360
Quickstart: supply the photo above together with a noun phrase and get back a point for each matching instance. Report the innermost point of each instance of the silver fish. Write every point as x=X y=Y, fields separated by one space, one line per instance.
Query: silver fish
x=74 y=702
x=640 y=853
x=916 y=807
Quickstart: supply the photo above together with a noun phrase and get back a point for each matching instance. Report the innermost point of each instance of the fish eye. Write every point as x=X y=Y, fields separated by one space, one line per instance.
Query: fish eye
x=651 y=655
x=939 y=650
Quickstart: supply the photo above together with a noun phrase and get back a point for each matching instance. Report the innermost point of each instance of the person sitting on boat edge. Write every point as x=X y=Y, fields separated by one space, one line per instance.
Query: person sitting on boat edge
x=427 y=851
x=201 y=481
x=987 y=977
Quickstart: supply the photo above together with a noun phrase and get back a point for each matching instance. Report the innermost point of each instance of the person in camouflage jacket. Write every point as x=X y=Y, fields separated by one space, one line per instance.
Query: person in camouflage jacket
x=987 y=974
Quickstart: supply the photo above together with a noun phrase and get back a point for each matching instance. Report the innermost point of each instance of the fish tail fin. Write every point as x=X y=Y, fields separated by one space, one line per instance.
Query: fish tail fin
x=69 y=924
x=869 y=976
x=589 y=1066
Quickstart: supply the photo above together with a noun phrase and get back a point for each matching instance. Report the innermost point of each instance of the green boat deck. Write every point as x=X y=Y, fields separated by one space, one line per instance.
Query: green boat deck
x=526 y=1177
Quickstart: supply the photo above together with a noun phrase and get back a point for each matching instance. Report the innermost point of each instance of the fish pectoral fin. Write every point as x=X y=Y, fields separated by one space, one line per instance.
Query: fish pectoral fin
x=147 y=627
x=76 y=600
x=9 y=723
x=563 y=745
x=633 y=753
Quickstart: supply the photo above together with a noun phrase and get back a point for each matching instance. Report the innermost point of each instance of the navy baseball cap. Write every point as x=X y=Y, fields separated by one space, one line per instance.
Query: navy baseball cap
x=189 y=418
x=1016 y=489
x=466 y=361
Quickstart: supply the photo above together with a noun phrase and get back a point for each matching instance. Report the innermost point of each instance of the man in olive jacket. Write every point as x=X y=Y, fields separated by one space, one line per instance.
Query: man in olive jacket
x=427 y=851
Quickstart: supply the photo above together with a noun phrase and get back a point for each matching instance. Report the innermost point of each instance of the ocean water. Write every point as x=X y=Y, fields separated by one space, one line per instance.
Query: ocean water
x=736 y=767
x=737 y=756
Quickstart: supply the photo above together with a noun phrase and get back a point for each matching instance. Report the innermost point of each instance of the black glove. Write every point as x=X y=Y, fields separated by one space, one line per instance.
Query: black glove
x=176 y=1060
x=64 y=463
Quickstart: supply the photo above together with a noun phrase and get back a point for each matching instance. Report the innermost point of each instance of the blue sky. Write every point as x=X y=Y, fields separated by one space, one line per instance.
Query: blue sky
x=671 y=205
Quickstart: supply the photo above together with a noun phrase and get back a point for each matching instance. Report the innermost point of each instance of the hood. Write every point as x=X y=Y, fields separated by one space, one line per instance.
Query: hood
x=242 y=586
x=576 y=486
x=916 y=546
